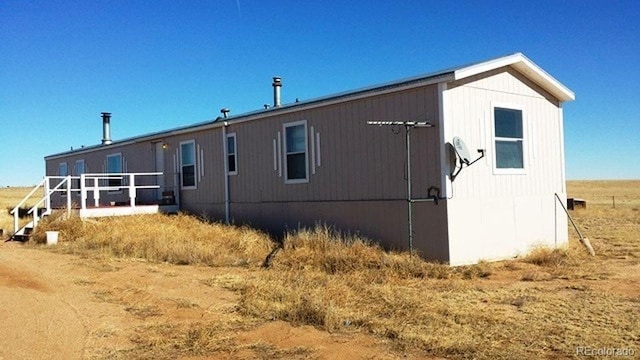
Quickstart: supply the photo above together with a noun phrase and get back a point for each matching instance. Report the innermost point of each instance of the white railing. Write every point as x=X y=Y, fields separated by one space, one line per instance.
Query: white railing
x=96 y=186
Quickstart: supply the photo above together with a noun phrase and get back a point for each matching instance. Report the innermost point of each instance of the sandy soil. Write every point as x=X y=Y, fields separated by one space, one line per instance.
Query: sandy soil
x=55 y=306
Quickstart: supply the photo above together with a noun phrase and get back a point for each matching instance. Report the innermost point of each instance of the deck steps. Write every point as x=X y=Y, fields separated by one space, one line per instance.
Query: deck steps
x=24 y=234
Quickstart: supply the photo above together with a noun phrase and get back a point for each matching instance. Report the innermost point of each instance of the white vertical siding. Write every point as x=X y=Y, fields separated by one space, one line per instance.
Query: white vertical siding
x=493 y=215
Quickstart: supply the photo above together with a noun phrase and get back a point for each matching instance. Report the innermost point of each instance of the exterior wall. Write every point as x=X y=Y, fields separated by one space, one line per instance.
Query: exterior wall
x=358 y=182
x=134 y=159
x=496 y=216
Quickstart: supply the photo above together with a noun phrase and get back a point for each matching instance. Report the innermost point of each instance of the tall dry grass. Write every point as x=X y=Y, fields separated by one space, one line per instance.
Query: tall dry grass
x=342 y=284
x=179 y=239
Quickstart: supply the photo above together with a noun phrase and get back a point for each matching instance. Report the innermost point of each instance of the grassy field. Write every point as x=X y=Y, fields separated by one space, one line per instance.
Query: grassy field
x=542 y=306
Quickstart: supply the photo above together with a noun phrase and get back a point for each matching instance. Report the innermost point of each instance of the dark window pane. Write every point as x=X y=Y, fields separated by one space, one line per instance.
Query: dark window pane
x=509 y=155
x=508 y=123
x=295 y=138
x=115 y=182
x=232 y=163
x=231 y=145
x=296 y=166
x=114 y=164
x=188 y=175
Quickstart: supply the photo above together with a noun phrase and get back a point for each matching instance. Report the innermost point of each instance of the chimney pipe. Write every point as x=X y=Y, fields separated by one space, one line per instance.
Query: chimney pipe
x=277 y=84
x=106 y=133
x=224 y=112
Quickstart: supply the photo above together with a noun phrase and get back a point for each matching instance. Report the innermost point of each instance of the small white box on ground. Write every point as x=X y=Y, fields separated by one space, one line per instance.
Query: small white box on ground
x=52 y=237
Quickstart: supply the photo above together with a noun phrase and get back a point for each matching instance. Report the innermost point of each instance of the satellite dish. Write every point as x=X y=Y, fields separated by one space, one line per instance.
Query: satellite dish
x=461 y=150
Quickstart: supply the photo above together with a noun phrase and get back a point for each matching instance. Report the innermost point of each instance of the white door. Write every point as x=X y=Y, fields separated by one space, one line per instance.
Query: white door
x=160 y=168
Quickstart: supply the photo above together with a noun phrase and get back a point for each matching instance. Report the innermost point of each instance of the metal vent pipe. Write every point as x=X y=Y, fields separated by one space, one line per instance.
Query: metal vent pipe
x=277 y=84
x=106 y=131
x=224 y=112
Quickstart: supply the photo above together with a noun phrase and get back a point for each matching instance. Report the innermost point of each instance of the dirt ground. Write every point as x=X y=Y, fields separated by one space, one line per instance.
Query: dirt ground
x=57 y=306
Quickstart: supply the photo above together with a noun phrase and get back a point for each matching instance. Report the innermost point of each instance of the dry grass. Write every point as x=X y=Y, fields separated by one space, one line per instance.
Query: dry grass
x=179 y=239
x=341 y=284
x=541 y=306
x=10 y=197
x=603 y=192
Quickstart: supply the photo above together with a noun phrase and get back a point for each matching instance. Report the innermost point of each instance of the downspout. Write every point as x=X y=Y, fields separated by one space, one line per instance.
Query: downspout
x=225 y=161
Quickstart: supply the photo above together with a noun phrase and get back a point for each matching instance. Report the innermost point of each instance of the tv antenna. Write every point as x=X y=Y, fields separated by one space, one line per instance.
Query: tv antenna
x=408 y=125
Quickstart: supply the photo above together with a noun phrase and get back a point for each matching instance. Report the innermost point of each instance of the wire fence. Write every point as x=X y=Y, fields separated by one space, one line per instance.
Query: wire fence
x=610 y=201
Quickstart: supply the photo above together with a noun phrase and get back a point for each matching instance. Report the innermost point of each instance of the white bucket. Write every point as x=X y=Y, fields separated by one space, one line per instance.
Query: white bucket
x=52 y=237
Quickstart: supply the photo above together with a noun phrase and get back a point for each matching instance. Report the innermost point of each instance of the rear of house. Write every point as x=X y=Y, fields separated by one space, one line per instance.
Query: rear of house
x=320 y=162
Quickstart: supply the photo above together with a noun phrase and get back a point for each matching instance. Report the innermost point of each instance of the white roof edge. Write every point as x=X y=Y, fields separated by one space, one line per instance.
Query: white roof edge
x=526 y=67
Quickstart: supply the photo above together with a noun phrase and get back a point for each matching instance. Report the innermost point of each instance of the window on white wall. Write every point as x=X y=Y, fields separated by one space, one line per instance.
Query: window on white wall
x=509 y=138
x=295 y=143
x=232 y=160
x=114 y=166
x=188 y=164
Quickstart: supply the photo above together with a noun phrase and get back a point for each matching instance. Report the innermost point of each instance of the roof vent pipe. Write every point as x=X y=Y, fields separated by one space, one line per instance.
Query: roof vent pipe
x=277 y=84
x=224 y=112
x=106 y=132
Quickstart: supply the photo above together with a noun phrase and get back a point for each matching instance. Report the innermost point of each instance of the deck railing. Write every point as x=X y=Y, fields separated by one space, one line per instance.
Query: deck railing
x=86 y=184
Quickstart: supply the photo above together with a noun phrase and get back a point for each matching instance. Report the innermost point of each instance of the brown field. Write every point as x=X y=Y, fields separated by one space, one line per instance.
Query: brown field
x=175 y=287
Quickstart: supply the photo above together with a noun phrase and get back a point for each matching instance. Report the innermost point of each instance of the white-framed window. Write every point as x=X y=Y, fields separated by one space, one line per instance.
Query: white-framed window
x=79 y=170
x=509 y=137
x=63 y=170
x=188 y=164
x=114 y=166
x=296 y=152
x=232 y=154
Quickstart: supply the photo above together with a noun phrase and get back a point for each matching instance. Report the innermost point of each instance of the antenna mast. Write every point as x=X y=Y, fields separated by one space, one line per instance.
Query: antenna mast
x=408 y=125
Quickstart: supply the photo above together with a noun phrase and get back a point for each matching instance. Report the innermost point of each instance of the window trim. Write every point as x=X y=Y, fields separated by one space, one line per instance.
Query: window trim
x=195 y=166
x=494 y=138
x=285 y=153
x=120 y=172
x=234 y=154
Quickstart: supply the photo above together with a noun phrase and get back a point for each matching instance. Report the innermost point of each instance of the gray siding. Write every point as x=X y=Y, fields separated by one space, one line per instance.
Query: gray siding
x=359 y=186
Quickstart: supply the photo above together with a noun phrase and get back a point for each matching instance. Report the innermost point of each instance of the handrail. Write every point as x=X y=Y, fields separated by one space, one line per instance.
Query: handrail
x=28 y=196
x=46 y=196
x=83 y=189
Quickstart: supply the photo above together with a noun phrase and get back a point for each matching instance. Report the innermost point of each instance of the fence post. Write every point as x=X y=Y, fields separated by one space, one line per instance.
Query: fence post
x=83 y=192
x=96 y=192
x=614 y=201
x=68 y=180
x=132 y=190
x=47 y=194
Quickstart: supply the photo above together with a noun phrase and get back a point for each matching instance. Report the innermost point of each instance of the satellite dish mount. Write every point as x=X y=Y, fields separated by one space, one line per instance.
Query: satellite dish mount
x=462 y=153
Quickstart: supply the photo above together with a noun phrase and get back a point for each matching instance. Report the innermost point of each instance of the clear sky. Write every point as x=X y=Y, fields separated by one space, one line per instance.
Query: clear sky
x=162 y=64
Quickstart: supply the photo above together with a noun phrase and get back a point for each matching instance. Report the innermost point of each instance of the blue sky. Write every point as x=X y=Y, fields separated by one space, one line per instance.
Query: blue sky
x=161 y=64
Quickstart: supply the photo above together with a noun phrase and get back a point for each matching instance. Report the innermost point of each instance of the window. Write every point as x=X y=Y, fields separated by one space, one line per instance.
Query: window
x=508 y=131
x=295 y=143
x=232 y=161
x=188 y=164
x=79 y=170
x=63 y=171
x=114 y=166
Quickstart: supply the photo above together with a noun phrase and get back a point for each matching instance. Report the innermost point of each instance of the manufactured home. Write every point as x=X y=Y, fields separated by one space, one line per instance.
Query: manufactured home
x=458 y=165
